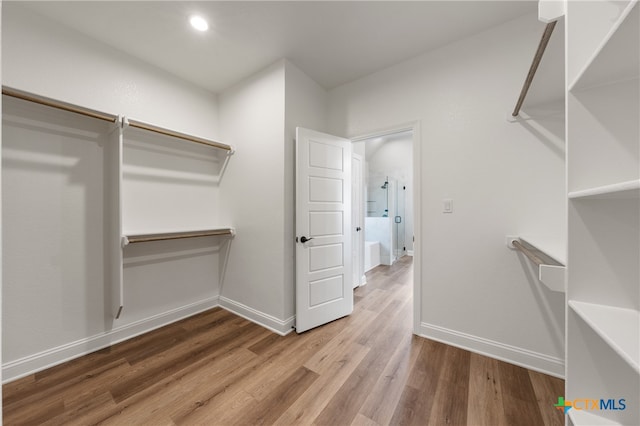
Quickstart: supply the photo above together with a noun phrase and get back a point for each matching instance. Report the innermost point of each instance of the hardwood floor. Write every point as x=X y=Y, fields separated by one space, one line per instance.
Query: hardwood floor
x=219 y=369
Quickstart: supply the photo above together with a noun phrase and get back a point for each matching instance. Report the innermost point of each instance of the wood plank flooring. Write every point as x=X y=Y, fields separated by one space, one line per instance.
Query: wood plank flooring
x=219 y=369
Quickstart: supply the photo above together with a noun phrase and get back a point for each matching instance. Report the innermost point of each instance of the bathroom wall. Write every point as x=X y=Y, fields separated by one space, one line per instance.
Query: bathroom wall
x=379 y=229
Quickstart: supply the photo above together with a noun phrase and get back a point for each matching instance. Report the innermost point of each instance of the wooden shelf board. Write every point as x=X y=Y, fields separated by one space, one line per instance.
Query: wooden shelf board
x=623 y=190
x=617 y=58
x=584 y=418
x=618 y=327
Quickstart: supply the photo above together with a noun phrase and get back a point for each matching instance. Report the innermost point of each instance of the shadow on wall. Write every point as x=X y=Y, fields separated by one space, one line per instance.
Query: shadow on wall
x=547 y=124
x=551 y=303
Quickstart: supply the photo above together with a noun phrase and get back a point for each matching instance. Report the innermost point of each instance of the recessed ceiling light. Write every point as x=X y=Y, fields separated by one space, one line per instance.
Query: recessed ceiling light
x=199 y=23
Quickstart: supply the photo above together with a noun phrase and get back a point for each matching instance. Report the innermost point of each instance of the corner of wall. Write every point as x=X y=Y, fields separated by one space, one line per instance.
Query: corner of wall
x=252 y=116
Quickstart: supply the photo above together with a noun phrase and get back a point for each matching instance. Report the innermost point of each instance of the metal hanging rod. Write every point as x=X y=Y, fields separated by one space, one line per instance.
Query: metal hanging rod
x=166 y=132
x=8 y=91
x=531 y=255
x=144 y=238
x=534 y=66
x=14 y=93
x=535 y=255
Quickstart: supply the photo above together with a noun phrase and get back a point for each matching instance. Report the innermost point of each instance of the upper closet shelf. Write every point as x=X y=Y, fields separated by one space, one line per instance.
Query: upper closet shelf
x=618 y=56
x=618 y=327
x=622 y=190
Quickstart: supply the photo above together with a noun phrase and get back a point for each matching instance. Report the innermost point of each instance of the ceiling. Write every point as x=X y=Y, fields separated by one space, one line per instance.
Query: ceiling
x=334 y=42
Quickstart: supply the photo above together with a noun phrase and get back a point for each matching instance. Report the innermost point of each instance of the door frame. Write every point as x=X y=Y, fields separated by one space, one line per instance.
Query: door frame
x=414 y=126
x=359 y=236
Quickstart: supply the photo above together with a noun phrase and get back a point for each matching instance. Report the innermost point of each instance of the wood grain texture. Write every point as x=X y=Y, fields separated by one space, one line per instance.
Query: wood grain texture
x=216 y=368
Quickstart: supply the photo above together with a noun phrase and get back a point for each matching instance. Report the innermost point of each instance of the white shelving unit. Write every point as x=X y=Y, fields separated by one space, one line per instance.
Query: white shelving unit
x=155 y=165
x=603 y=170
x=606 y=320
x=161 y=207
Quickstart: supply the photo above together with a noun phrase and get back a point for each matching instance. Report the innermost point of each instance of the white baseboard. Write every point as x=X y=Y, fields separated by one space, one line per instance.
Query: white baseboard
x=33 y=363
x=267 y=321
x=522 y=357
x=409 y=252
x=22 y=367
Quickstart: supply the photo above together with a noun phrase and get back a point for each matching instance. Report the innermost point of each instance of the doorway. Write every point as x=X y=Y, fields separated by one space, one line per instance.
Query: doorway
x=399 y=148
x=333 y=194
x=388 y=196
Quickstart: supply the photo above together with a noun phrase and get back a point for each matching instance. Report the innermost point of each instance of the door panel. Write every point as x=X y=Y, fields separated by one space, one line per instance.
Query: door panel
x=325 y=224
x=327 y=190
x=323 y=216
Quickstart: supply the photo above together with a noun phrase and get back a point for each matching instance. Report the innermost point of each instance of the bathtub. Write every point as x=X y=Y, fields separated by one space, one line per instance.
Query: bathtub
x=371 y=255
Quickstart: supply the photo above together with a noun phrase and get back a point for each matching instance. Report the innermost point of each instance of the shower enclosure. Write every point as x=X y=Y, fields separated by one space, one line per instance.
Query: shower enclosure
x=385 y=217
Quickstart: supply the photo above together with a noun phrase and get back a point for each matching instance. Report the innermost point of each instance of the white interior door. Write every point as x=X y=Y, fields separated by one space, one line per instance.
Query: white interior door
x=357 y=219
x=324 y=289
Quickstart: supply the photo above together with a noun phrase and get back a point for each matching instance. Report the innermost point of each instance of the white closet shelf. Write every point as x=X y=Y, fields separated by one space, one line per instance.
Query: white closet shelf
x=623 y=190
x=163 y=236
x=554 y=248
x=618 y=327
x=585 y=418
x=617 y=58
x=551 y=272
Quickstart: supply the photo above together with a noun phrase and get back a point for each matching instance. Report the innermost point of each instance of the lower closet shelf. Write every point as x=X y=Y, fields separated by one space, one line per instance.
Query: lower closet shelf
x=144 y=238
x=618 y=327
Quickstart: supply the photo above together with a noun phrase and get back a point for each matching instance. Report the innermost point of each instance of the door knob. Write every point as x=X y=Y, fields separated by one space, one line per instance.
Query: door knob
x=358 y=229
x=304 y=239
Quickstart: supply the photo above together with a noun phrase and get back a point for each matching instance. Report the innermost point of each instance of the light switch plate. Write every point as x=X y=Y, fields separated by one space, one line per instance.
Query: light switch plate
x=447 y=205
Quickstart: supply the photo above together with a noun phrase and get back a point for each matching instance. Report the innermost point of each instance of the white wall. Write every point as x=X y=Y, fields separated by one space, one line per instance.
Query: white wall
x=505 y=179
x=48 y=59
x=252 y=117
x=55 y=290
x=259 y=116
